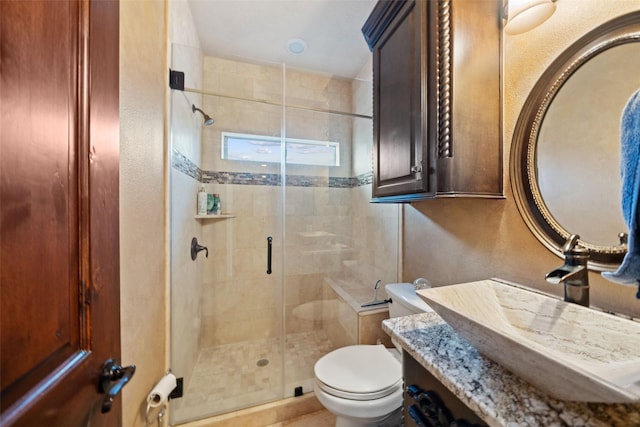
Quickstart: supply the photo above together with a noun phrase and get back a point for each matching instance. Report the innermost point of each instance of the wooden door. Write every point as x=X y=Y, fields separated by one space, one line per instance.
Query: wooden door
x=59 y=269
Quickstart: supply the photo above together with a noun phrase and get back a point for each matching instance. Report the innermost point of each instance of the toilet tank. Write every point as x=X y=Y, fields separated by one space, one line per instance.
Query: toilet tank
x=404 y=300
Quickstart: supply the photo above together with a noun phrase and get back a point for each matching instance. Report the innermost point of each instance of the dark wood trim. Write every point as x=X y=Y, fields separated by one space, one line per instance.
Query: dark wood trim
x=383 y=13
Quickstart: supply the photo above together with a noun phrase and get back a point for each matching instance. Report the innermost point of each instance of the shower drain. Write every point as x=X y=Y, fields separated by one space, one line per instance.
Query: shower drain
x=262 y=362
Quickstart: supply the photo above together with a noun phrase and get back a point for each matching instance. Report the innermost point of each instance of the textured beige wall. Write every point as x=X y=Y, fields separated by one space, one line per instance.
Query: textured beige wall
x=142 y=199
x=452 y=241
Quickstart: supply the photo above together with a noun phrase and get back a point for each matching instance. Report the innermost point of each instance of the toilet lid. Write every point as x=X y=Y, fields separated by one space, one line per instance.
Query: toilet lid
x=359 y=369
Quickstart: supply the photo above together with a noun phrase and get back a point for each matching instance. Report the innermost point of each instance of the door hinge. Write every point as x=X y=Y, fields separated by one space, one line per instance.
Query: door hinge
x=176 y=79
x=177 y=392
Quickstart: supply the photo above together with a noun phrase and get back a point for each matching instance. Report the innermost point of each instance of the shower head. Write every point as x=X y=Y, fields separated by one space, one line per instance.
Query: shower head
x=208 y=121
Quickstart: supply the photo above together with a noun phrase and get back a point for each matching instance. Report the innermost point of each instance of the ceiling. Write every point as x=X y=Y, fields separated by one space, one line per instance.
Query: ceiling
x=259 y=31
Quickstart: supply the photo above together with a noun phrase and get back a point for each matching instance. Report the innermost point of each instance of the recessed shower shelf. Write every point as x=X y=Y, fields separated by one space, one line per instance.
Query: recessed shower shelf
x=221 y=216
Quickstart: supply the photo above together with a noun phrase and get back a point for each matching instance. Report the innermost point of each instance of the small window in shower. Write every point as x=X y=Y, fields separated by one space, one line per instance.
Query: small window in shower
x=267 y=149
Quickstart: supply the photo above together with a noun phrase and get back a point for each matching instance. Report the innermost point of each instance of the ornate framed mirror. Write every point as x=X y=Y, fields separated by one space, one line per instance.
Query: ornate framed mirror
x=565 y=153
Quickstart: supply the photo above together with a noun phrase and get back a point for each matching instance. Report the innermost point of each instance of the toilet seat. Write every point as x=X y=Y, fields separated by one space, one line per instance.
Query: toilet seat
x=357 y=396
x=359 y=372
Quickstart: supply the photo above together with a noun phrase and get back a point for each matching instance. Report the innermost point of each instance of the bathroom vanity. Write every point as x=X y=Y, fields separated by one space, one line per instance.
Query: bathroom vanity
x=433 y=350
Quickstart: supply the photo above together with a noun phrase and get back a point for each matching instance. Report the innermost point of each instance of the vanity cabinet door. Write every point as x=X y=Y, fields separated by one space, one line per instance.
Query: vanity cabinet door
x=397 y=35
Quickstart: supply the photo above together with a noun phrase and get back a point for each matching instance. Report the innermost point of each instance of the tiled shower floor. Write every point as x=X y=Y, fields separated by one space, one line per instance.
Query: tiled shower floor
x=233 y=376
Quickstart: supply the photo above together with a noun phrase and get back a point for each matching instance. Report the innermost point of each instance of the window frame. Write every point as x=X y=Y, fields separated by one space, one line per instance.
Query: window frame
x=246 y=136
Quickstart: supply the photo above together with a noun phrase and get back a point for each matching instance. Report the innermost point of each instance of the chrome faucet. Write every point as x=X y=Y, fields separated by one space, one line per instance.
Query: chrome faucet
x=574 y=273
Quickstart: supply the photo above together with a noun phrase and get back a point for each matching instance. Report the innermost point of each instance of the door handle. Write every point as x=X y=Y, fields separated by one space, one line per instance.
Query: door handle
x=269 y=246
x=112 y=379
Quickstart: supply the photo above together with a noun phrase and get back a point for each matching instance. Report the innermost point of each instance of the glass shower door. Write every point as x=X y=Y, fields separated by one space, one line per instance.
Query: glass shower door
x=226 y=310
x=337 y=244
x=297 y=170
x=318 y=238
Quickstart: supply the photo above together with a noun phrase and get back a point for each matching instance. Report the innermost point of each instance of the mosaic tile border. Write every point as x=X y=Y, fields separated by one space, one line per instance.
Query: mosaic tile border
x=181 y=163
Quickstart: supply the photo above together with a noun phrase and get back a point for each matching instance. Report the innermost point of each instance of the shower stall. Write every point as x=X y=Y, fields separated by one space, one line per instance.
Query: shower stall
x=297 y=247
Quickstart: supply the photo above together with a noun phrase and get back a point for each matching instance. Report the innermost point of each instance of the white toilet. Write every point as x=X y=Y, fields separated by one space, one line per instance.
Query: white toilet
x=362 y=384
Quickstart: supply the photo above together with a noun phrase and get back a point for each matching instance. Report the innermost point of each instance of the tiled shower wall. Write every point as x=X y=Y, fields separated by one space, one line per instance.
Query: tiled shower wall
x=331 y=229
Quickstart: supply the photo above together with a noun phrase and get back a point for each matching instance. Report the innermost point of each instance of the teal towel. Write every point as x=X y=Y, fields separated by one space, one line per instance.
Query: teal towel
x=629 y=271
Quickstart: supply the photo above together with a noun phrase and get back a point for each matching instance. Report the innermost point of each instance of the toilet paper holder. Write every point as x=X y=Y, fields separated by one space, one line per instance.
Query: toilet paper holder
x=162 y=392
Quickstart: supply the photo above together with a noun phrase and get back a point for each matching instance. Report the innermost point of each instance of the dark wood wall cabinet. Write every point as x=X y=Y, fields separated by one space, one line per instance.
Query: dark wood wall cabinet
x=437 y=113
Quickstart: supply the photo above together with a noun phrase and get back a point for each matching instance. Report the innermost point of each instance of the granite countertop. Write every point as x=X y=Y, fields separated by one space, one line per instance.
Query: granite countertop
x=497 y=396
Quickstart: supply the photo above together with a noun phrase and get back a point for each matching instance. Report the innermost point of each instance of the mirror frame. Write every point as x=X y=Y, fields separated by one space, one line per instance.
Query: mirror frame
x=523 y=170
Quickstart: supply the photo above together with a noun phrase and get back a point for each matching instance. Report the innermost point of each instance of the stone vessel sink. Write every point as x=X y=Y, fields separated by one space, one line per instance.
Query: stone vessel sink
x=566 y=350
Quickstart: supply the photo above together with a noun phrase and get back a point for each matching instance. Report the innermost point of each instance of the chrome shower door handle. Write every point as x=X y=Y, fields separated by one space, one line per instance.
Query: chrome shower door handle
x=269 y=247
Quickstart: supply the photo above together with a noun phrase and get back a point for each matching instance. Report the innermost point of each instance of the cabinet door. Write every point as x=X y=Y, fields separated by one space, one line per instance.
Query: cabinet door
x=424 y=146
x=399 y=40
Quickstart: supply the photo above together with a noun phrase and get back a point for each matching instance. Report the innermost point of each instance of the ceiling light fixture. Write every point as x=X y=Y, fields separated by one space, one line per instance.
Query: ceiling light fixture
x=296 y=46
x=524 y=15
